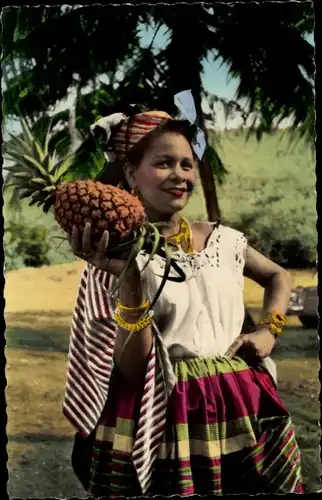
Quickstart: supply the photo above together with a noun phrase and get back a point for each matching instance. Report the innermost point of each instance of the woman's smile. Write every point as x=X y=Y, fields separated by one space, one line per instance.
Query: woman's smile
x=177 y=193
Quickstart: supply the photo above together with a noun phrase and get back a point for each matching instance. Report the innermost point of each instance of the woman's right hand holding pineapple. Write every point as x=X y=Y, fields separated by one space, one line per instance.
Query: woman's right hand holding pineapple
x=96 y=255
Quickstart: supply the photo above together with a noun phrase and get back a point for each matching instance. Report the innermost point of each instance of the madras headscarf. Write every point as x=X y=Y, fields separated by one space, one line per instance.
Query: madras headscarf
x=130 y=130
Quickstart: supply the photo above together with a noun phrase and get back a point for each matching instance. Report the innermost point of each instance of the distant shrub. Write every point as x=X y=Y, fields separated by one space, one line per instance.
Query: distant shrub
x=25 y=245
x=270 y=195
x=293 y=247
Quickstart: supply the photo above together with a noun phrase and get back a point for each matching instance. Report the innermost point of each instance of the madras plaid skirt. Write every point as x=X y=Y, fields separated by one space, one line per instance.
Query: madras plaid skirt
x=227 y=431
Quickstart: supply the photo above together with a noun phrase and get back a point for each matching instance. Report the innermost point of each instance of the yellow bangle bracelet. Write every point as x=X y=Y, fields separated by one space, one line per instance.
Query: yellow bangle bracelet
x=133 y=327
x=275 y=319
x=142 y=308
x=277 y=332
x=274 y=322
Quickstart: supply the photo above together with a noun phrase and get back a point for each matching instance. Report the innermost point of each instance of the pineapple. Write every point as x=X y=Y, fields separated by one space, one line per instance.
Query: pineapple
x=39 y=175
x=104 y=206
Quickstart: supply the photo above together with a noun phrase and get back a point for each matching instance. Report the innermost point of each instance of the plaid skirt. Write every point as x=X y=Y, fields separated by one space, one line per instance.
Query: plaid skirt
x=227 y=431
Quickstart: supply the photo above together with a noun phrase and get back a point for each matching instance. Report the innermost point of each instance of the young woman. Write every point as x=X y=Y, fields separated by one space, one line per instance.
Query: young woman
x=187 y=404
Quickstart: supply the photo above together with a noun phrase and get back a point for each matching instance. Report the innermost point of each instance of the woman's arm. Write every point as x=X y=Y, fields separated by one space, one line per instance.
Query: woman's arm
x=131 y=356
x=276 y=281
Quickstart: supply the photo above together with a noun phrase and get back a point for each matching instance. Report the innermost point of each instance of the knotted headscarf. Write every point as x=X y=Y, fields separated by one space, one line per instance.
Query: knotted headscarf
x=130 y=130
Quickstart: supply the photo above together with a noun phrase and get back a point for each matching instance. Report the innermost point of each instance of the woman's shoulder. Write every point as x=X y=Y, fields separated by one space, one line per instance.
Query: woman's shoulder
x=207 y=230
x=203 y=226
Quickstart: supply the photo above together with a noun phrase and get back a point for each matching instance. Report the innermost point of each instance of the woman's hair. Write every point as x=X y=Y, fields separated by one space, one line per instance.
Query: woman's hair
x=113 y=173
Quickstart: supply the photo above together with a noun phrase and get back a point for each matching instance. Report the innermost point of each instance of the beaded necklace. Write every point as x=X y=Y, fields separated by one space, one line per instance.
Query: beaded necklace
x=183 y=238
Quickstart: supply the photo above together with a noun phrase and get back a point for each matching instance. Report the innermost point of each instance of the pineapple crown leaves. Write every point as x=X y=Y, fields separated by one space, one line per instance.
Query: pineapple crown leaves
x=36 y=171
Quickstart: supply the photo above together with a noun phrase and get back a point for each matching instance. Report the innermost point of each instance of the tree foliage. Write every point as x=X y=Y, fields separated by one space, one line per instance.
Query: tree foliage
x=272 y=59
x=61 y=43
x=263 y=45
x=25 y=245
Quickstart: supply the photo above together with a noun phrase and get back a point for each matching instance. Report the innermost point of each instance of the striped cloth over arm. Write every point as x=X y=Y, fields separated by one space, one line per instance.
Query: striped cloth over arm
x=90 y=365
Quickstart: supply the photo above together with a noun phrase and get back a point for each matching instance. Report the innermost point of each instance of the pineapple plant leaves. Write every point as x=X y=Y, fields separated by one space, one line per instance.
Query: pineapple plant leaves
x=134 y=252
x=40 y=176
x=155 y=244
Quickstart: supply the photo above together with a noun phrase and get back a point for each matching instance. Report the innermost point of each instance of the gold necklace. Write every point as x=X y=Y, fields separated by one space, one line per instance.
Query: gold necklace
x=183 y=238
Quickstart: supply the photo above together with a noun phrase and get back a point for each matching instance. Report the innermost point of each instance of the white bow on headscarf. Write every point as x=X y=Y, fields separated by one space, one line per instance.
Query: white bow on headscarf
x=186 y=106
x=107 y=123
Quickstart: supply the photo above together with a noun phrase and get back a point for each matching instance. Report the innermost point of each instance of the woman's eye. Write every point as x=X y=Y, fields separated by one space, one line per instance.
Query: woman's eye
x=186 y=165
x=164 y=163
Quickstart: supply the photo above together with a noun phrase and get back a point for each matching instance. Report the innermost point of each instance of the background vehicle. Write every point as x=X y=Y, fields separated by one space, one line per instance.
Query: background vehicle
x=304 y=305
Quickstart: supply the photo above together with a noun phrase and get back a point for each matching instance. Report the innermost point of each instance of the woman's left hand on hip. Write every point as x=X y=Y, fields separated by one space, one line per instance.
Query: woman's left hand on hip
x=252 y=346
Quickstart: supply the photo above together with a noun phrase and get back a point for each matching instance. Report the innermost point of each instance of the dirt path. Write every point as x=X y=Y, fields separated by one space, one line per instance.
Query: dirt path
x=39 y=437
x=43 y=469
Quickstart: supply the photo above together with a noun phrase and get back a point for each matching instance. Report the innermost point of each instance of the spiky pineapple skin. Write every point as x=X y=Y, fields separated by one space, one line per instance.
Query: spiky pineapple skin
x=106 y=207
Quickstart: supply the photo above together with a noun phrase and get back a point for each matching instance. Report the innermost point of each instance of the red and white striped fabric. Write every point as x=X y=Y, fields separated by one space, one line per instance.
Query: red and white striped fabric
x=90 y=364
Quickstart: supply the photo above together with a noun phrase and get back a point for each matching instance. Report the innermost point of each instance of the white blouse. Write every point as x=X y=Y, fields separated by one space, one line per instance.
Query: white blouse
x=203 y=315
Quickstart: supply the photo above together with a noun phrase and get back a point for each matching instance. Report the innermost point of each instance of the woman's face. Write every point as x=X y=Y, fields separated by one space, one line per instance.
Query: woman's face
x=166 y=176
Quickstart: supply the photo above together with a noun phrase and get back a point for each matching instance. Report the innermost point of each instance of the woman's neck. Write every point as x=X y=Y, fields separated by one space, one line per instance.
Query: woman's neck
x=171 y=223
